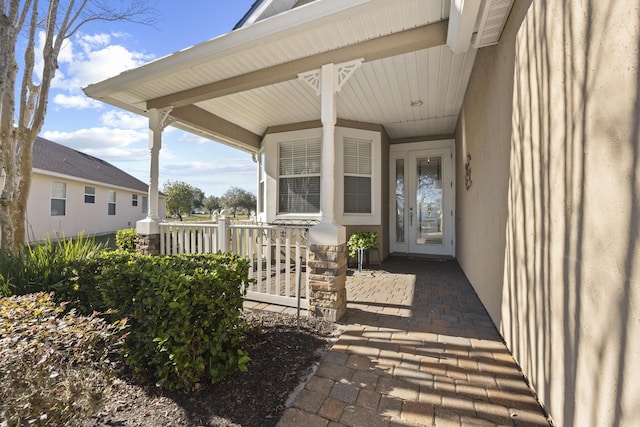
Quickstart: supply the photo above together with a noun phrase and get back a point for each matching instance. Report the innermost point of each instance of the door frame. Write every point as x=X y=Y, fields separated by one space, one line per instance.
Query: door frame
x=404 y=151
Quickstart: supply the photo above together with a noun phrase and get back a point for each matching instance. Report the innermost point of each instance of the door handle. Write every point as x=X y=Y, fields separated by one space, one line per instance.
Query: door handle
x=410 y=217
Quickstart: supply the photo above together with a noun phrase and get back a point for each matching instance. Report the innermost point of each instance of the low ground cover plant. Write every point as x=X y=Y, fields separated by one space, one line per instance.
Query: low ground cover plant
x=54 y=365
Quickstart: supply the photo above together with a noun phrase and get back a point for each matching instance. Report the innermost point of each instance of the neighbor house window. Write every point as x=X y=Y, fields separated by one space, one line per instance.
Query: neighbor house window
x=145 y=204
x=58 y=198
x=299 y=176
x=134 y=200
x=357 y=175
x=111 y=202
x=89 y=194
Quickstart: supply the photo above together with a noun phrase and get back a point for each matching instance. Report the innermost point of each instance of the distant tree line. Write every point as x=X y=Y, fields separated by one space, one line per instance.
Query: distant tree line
x=183 y=198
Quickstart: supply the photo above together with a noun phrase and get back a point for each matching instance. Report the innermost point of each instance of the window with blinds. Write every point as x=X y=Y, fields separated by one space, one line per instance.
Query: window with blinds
x=357 y=175
x=299 y=176
x=111 y=202
x=58 y=198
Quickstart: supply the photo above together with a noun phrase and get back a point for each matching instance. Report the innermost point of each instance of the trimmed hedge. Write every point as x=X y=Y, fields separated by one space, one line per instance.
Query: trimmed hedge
x=184 y=311
x=126 y=239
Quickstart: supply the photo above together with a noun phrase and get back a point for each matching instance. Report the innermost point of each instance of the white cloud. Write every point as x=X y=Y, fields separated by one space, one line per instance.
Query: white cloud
x=110 y=144
x=193 y=138
x=75 y=101
x=96 y=65
x=121 y=119
x=86 y=59
x=222 y=169
x=119 y=154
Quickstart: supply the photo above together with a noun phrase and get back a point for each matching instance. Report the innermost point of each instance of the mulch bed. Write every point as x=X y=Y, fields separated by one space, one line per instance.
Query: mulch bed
x=281 y=357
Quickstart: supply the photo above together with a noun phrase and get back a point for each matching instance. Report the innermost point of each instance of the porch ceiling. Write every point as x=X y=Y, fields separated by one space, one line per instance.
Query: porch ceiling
x=232 y=88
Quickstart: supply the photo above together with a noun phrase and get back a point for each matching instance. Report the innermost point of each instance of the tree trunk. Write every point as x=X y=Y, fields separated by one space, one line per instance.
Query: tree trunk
x=8 y=143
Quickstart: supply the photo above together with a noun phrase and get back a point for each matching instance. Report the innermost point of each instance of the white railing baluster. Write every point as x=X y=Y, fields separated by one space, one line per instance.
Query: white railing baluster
x=298 y=265
x=278 y=262
x=272 y=263
x=287 y=261
x=259 y=262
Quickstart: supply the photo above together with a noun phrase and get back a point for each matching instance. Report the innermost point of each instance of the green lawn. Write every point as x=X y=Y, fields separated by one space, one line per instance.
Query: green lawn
x=108 y=240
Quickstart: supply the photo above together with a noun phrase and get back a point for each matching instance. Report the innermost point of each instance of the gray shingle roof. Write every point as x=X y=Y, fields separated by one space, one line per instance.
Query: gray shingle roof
x=53 y=157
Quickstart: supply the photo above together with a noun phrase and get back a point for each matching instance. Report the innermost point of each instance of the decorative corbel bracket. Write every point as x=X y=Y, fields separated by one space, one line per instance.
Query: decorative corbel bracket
x=344 y=71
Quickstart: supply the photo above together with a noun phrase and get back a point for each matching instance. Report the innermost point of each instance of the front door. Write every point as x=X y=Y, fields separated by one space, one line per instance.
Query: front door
x=422 y=207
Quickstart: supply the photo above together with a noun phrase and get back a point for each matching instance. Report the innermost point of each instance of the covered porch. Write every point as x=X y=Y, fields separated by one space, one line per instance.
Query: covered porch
x=349 y=109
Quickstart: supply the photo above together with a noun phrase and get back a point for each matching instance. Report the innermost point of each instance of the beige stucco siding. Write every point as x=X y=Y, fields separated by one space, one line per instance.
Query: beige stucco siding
x=548 y=232
x=88 y=218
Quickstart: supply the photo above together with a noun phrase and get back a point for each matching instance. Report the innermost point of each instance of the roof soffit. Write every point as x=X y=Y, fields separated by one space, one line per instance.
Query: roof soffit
x=318 y=20
x=416 y=39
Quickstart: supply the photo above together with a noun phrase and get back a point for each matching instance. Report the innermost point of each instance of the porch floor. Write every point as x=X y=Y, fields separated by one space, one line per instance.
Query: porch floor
x=417 y=348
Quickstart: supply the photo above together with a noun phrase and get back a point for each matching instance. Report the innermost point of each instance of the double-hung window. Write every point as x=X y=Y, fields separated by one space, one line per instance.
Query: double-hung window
x=299 y=165
x=357 y=175
x=89 y=194
x=134 y=200
x=111 y=202
x=58 y=198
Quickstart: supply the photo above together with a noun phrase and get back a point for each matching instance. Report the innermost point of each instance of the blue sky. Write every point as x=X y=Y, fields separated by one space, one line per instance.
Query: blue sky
x=102 y=50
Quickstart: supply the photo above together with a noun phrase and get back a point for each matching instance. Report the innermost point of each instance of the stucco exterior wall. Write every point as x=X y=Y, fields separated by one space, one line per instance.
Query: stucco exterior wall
x=548 y=232
x=88 y=218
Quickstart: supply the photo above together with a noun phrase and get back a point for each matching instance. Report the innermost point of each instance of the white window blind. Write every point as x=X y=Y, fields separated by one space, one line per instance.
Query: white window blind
x=299 y=164
x=58 y=198
x=89 y=194
x=357 y=175
x=111 y=202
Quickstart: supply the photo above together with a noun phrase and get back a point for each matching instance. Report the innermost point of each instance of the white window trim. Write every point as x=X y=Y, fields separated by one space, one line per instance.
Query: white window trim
x=270 y=145
x=109 y=202
x=134 y=200
x=58 y=198
x=375 y=217
x=89 y=194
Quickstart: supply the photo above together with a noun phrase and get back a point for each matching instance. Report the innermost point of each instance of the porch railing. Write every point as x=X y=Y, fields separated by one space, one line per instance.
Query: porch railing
x=278 y=254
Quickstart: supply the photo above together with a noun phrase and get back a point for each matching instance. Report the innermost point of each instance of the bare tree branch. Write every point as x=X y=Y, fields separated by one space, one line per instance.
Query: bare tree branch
x=58 y=20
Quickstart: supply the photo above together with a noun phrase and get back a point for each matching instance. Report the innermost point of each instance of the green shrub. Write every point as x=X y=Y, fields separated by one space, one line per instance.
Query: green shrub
x=81 y=286
x=362 y=240
x=126 y=239
x=184 y=312
x=54 y=367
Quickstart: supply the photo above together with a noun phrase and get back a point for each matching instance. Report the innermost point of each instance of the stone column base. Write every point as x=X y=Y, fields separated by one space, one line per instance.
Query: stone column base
x=328 y=274
x=148 y=244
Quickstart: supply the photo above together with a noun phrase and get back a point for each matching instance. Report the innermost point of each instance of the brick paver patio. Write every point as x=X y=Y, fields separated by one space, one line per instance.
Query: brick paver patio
x=417 y=349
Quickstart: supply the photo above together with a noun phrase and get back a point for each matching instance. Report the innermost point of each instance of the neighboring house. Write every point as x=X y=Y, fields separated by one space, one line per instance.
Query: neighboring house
x=72 y=193
x=504 y=133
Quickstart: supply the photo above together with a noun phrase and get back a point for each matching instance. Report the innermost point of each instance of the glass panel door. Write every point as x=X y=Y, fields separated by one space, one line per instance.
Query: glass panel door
x=429 y=200
x=399 y=194
x=422 y=198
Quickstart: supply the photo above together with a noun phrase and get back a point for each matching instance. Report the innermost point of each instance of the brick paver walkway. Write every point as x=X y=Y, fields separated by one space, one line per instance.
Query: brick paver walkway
x=417 y=349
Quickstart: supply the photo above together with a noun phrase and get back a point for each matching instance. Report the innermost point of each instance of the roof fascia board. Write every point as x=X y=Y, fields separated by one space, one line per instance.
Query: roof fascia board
x=310 y=17
x=463 y=15
x=415 y=39
x=256 y=13
x=83 y=180
x=219 y=128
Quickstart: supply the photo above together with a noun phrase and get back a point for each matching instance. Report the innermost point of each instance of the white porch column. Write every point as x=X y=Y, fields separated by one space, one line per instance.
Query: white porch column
x=148 y=230
x=328 y=240
x=155 y=144
x=328 y=86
